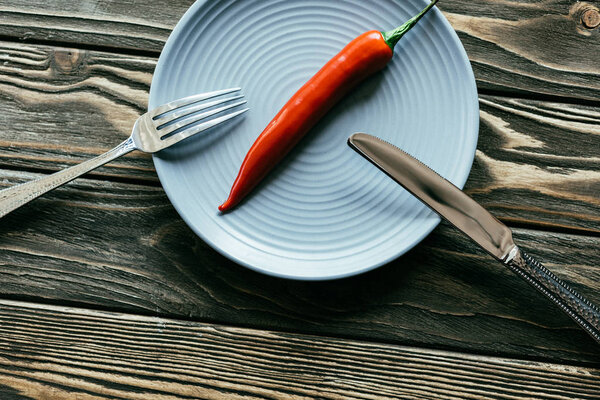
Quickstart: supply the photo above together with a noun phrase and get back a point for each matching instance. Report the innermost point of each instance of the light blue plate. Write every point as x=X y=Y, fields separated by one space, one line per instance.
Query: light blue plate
x=325 y=212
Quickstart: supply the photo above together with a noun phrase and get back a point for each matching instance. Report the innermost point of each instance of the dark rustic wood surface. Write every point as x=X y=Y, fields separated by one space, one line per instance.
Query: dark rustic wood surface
x=121 y=246
x=59 y=352
x=74 y=75
x=520 y=46
x=85 y=102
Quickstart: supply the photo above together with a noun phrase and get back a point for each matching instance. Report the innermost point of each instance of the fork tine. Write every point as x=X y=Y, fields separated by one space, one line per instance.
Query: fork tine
x=195 y=118
x=189 y=100
x=200 y=128
x=160 y=121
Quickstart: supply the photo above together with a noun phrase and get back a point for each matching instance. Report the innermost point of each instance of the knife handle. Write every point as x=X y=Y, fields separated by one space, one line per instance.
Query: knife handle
x=580 y=309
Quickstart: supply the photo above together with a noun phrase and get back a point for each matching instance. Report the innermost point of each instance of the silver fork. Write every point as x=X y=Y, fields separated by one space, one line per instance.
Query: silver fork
x=150 y=133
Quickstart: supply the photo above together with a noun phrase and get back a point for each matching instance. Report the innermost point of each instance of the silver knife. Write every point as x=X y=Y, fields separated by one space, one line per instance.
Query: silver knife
x=477 y=223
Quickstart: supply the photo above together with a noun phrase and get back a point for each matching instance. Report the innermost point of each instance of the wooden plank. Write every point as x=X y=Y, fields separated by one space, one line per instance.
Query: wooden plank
x=62 y=106
x=517 y=46
x=122 y=246
x=534 y=47
x=59 y=352
x=134 y=25
x=537 y=163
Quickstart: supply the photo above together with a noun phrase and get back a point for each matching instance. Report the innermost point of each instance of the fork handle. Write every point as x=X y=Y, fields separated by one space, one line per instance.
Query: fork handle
x=18 y=195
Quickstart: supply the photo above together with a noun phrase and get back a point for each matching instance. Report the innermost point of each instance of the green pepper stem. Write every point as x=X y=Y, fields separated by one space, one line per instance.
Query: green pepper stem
x=392 y=37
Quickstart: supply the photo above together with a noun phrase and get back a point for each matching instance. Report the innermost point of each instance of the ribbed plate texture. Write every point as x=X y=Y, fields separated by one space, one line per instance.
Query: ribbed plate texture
x=325 y=212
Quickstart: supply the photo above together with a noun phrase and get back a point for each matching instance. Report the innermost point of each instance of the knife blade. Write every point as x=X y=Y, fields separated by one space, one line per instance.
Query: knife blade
x=477 y=223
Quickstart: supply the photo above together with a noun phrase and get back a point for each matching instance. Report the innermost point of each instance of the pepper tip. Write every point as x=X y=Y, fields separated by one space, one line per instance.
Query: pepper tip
x=226 y=206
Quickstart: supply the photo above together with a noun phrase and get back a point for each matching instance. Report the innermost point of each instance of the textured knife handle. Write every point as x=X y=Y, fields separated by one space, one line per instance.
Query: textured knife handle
x=586 y=314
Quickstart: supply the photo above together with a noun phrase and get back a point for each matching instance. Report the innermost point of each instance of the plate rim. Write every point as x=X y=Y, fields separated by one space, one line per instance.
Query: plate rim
x=460 y=181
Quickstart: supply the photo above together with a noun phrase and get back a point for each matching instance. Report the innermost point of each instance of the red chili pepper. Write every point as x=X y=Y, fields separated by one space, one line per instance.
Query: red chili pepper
x=365 y=55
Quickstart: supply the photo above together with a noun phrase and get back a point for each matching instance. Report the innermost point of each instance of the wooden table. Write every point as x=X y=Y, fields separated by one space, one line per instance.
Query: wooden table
x=105 y=292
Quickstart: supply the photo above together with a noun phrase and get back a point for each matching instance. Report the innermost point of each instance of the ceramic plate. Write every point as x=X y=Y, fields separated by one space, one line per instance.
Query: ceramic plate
x=325 y=212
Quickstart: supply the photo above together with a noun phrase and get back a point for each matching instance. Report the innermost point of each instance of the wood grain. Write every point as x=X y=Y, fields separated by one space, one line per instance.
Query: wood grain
x=85 y=102
x=62 y=106
x=127 y=25
x=122 y=246
x=537 y=163
x=115 y=242
x=531 y=47
x=58 y=352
